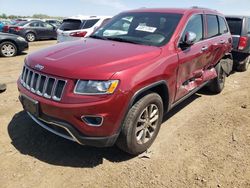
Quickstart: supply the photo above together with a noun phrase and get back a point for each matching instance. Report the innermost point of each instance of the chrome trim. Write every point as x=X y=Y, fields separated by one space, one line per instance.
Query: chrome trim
x=27 y=81
x=40 y=122
x=90 y=124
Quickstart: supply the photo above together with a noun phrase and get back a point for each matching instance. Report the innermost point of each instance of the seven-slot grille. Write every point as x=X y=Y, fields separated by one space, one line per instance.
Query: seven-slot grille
x=42 y=85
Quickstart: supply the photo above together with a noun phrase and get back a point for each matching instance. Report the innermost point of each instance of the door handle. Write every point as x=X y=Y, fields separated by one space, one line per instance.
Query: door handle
x=204 y=48
x=222 y=42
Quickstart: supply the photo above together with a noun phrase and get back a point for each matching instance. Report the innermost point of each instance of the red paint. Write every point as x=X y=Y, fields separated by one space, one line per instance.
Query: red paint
x=136 y=66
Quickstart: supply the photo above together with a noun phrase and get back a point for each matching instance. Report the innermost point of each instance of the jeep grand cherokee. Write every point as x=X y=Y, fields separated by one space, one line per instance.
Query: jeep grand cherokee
x=115 y=86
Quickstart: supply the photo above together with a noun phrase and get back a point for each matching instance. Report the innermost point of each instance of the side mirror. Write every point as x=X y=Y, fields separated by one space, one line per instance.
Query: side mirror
x=189 y=39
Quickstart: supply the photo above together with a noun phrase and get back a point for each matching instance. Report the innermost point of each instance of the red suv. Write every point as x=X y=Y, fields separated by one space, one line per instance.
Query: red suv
x=116 y=85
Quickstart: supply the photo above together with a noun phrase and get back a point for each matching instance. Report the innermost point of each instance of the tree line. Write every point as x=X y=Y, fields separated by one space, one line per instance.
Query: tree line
x=38 y=16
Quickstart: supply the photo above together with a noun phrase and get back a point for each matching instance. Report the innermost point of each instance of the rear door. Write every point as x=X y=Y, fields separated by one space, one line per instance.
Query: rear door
x=48 y=30
x=192 y=60
x=217 y=37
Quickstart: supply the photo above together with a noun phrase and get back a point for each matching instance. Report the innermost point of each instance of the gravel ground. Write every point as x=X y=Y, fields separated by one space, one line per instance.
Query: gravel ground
x=203 y=142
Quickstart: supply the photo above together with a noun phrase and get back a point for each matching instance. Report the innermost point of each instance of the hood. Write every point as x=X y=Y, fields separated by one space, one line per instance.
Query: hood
x=91 y=58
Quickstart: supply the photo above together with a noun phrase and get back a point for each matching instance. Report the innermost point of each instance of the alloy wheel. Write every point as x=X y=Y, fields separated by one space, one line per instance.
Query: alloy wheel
x=147 y=123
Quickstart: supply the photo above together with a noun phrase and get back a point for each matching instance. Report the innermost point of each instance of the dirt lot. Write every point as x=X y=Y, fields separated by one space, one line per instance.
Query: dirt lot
x=204 y=142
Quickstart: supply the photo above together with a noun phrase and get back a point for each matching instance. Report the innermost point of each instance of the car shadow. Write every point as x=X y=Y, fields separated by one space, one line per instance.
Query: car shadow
x=30 y=139
x=180 y=106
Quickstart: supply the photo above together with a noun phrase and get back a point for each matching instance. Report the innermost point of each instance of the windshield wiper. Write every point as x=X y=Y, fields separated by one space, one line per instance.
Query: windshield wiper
x=122 y=40
x=97 y=37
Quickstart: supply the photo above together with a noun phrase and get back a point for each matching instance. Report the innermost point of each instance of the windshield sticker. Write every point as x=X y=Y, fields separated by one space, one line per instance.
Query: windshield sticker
x=146 y=28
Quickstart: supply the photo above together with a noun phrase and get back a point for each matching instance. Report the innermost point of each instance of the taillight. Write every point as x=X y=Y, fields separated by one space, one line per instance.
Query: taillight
x=78 y=34
x=243 y=43
x=6 y=28
x=18 y=28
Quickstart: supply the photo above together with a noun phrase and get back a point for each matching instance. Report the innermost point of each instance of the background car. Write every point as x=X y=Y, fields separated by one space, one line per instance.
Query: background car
x=10 y=45
x=75 y=28
x=34 y=30
x=3 y=23
x=240 y=30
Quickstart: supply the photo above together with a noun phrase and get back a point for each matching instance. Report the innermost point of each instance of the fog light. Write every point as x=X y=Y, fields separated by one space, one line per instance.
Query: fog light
x=94 y=121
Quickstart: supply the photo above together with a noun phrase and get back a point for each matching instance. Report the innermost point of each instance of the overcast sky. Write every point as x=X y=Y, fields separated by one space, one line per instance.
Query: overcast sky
x=112 y=7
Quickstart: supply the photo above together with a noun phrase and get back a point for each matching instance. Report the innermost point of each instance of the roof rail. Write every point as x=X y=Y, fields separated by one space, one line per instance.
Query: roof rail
x=197 y=7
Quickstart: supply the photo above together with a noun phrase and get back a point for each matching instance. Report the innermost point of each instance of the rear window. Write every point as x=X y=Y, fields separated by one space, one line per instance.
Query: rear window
x=70 y=24
x=212 y=26
x=90 y=23
x=22 y=23
x=235 y=25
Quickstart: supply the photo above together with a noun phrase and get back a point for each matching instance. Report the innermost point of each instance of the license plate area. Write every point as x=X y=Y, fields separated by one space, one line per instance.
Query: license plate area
x=30 y=105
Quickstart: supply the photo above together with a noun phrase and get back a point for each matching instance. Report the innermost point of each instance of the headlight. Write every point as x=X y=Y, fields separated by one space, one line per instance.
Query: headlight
x=91 y=87
x=20 y=38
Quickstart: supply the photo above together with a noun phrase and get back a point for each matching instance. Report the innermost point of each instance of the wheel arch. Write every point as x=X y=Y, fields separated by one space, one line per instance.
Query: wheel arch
x=159 y=87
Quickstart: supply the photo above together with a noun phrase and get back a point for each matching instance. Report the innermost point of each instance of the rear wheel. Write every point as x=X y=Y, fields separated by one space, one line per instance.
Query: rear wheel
x=8 y=49
x=141 y=124
x=217 y=84
x=30 y=37
x=243 y=67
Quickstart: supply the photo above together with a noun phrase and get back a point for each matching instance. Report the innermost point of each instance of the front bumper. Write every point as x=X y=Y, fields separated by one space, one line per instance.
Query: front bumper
x=67 y=116
x=68 y=132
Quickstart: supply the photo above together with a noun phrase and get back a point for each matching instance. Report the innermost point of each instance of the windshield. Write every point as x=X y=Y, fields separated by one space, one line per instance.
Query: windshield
x=150 y=28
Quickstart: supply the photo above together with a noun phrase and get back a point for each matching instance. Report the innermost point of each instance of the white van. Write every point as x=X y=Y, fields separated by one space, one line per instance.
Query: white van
x=76 y=28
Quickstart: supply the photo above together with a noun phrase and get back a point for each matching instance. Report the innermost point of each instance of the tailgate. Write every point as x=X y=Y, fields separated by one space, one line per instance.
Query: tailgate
x=236 y=40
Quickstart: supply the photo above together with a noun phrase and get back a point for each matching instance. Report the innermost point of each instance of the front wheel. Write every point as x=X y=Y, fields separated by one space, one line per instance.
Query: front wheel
x=217 y=84
x=8 y=49
x=141 y=124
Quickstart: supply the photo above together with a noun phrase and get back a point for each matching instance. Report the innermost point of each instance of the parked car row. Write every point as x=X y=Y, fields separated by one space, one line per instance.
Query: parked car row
x=115 y=86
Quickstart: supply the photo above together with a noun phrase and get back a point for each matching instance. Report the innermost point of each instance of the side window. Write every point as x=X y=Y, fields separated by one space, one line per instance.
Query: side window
x=34 y=24
x=223 y=26
x=212 y=26
x=46 y=25
x=90 y=23
x=195 y=25
x=248 y=25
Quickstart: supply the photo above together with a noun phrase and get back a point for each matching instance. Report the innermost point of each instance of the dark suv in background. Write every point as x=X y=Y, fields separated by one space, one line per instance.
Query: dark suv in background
x=240 y=30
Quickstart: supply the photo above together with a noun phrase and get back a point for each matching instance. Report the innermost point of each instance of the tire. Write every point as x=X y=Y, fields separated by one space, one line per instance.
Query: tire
x=8 y=49
x=30 y=37
x=217 y=84
x=137 y=133
x=243 y=67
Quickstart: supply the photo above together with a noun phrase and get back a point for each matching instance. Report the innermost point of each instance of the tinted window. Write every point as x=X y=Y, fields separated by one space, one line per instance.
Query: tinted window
x=70 y=24
x=46 y=25
x=146 y=28
x=35 y=24
x=195 y=25
x=22 y=23
x=235 y=25
x=90 y=23
x=223 y=26
x=213 y=27
x=248 y=25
